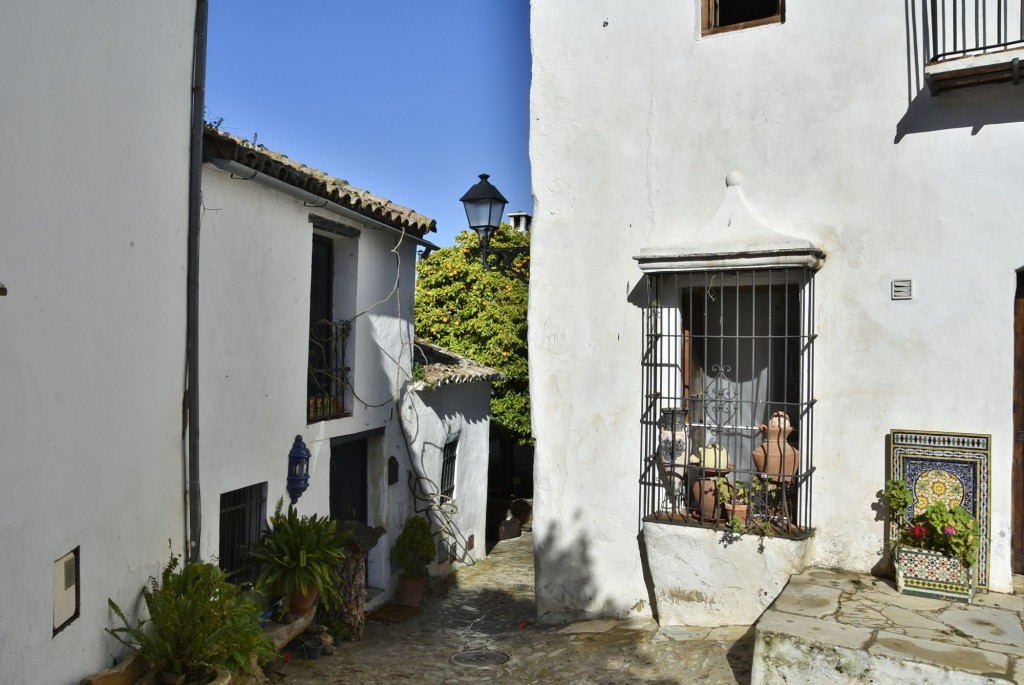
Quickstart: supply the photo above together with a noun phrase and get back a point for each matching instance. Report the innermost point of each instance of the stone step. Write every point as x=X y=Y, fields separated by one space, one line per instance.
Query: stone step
x=830 y=627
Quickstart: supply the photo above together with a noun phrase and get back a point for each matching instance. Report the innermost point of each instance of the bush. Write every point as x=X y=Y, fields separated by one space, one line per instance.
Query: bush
x=414 y=548
x=198 y=621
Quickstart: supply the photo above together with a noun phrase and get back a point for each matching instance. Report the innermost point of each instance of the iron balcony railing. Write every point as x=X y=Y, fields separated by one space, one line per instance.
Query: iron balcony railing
x=964 y=27
x=329 y=380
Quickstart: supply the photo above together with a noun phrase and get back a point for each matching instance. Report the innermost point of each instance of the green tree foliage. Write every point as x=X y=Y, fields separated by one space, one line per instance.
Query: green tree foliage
x=482 y=315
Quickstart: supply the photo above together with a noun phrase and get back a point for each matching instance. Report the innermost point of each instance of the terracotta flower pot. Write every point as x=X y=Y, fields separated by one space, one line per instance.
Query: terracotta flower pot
x=299 y=604
x=740 y=511
x=705 y=500
x=411 y=591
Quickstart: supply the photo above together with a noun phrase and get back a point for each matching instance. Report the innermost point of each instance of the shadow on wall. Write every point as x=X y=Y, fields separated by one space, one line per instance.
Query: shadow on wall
x=568 y=563
x=564 y=560
x=974 y=107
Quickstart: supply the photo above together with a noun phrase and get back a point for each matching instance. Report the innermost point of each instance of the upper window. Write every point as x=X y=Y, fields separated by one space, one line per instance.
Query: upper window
x=329 y=376
x=451 y=448
x=728 y=399
x=730 y=15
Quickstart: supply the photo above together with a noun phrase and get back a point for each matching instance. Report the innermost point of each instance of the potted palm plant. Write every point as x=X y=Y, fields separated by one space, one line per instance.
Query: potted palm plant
x=414 y=550
x=935 y=550
x=201 y=627
x=300 y=557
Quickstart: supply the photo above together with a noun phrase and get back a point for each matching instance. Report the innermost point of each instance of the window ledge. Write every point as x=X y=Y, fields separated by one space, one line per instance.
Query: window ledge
x=714 y=246
x=993 y=66
x=767 y=21
x=779 y=530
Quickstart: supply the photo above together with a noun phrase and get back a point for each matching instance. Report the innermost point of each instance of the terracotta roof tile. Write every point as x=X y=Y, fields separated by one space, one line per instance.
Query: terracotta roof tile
x=444 y=366
x=222 y=145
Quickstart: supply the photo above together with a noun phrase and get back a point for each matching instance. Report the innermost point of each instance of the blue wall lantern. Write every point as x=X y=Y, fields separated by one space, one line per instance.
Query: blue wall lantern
x=298 y=469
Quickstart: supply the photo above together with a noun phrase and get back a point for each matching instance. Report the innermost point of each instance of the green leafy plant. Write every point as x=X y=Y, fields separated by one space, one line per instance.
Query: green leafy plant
x=414 y=548
x=298 y=553
x=900 y=499
x=419 y=372
x=481 y=314
x=198 y=621
x=737 y=492
x=953 y=532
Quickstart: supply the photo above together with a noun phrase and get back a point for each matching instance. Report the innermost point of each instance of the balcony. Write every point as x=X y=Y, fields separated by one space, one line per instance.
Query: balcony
x=329 y=379
x=973 y=42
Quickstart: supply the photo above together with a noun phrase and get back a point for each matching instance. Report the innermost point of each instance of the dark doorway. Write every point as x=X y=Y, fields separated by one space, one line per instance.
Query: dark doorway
x=348 y=480
x=1018 y=427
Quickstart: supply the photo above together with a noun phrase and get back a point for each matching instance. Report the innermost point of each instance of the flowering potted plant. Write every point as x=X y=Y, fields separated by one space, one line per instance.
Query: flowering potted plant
x=935 y=550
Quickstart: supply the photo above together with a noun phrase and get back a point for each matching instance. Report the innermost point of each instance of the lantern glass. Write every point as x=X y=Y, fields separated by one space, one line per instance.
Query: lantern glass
x=480 y=214
x=485 y=206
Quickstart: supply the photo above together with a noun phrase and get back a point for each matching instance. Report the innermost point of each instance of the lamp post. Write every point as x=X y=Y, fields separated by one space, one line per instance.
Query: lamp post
x=485 y=206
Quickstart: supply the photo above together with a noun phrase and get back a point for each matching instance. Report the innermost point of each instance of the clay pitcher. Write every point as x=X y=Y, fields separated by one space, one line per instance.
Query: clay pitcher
x=705 y=499
x=774 y=455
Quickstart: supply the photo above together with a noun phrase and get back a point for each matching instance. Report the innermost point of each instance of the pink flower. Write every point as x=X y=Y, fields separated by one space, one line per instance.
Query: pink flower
x=949 y=530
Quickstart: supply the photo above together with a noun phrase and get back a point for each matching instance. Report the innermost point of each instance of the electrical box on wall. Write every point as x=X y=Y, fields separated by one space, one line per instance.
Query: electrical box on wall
x=65 y=590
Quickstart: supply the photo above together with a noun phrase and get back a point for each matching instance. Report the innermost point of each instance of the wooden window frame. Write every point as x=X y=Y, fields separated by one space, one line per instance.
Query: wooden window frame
x=709 y=25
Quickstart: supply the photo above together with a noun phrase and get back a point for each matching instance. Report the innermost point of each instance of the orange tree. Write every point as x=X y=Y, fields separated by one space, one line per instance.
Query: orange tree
x=482 y=315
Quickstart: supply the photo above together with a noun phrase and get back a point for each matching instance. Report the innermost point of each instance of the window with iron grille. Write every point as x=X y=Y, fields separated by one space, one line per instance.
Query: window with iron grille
x=730 y=15
x=242 y=516
x=448 y=469
x=728 y=399
x=328 y=377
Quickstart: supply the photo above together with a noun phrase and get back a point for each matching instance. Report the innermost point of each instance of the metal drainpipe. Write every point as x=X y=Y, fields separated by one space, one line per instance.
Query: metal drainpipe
x=195 y=198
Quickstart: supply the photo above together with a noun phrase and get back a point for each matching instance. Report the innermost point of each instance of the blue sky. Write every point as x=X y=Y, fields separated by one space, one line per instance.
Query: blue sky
x=408 y=99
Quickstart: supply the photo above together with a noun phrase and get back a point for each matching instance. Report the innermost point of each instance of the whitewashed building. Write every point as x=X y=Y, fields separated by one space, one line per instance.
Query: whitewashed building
x=447 y=423
x=745 y=208
x=94 y=189
x=301 y=296
x=306 y=294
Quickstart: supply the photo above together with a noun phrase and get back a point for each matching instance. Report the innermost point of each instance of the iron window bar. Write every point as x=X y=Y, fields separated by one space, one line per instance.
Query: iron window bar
x=734 y=347
x=328 y=377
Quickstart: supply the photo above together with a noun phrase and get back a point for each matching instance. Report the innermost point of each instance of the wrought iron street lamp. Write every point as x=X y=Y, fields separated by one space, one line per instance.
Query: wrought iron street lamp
x=485 y=206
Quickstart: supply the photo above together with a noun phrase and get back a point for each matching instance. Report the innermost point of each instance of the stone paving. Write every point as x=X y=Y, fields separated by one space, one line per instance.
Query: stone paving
x=830 y=627
x=488 y=611
x=826 y=627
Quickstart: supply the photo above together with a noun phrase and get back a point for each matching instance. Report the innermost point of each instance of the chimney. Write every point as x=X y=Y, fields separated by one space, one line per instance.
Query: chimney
x=520 y=221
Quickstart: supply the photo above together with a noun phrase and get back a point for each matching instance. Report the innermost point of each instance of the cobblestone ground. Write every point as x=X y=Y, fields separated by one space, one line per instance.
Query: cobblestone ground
x=488 y=612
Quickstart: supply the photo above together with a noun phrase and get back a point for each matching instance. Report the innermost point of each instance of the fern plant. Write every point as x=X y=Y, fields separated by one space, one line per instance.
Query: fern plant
x=298 y=553
x=198 y=621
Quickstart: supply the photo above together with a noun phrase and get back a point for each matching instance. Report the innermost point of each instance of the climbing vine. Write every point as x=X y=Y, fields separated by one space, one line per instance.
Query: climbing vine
x=482 y=315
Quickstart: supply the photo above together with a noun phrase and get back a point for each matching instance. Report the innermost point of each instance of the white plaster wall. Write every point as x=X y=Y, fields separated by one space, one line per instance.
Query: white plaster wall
x=635 y=123
x=94 y=134
x=432 y=418
x=701 y=578
x=254 y=329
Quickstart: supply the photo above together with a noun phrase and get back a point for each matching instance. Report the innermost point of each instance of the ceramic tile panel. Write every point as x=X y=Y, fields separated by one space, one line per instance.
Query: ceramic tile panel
x=951 y=467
